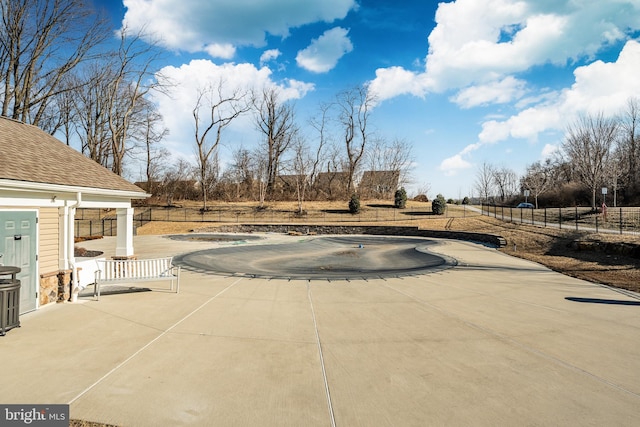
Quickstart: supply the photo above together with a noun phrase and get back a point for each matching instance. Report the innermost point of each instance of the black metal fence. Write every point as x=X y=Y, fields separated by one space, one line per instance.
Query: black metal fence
x=96 y=227
x=374 y=213
x=607 y=220
x=93 y=222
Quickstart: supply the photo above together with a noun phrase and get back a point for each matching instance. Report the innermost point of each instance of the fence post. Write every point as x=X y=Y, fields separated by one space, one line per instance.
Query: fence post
x=560 y=218
x=596 y=224
x=620 y=220
x=576 y=218
x=532 y=217
x=545 y=217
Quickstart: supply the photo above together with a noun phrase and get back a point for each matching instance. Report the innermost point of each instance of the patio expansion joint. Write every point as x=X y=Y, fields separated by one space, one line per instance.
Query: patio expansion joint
x=322 y=365
x=147 y=345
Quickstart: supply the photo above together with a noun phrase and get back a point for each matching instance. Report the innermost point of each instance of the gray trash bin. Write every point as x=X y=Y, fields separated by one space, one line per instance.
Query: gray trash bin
x=9 y=305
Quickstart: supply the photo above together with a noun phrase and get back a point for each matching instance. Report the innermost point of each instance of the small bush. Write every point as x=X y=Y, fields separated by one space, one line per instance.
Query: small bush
x=400 y=198
x=354 y=204
x=439 y=205
x=451 y=202
x=465 y=201
x=421 y=198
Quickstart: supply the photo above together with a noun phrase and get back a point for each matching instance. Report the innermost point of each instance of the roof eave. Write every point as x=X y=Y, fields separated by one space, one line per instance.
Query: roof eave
x=10 y=184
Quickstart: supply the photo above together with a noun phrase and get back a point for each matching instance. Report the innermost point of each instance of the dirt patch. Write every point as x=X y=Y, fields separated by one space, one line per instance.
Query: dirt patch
x=82 y=252
x=352 y=254
x=557 y=249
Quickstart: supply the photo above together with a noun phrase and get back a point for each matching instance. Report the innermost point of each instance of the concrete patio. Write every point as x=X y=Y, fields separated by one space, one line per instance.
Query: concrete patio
x=494 y=341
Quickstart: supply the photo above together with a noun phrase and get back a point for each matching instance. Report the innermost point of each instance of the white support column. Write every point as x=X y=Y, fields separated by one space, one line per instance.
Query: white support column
x=66 y=217
x=63 y=240
x=71 y=253
x=66 y=222
x=124 y=239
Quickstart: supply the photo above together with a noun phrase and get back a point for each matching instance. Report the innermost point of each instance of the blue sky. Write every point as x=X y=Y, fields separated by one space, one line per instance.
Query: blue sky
x=464 y=82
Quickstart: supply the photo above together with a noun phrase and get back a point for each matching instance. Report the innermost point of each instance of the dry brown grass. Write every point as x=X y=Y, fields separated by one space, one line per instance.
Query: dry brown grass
x=553 y=248
x=547 y=246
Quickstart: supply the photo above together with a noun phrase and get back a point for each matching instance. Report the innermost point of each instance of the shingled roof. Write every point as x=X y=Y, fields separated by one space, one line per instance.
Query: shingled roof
x=29 y=154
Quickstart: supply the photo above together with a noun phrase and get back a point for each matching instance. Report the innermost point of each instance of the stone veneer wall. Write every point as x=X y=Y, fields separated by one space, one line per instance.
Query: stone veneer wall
x=55 y=287
x=491 y=239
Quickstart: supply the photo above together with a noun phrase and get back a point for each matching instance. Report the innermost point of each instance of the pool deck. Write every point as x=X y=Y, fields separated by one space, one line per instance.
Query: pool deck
x=494 y=341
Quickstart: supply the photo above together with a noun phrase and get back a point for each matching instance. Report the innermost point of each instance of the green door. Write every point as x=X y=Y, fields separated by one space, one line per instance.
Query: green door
x=18 y=247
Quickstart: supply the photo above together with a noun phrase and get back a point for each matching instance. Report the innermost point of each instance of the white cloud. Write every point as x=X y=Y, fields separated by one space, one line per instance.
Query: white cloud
x=324 y=52
x=177 y=105
x=224 y=51
x=218 y=26
x=599 y=87
x=452 y=165
x=295 y=89
x=394 y=81
x=269 y=55
x=498 y=92
x=478 y=43
x=606 y=86
x=548 y=150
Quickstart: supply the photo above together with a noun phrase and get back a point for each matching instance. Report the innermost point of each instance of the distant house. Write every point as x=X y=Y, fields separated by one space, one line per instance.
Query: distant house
x=331 y=184
x=42 y=183
x=379 y=184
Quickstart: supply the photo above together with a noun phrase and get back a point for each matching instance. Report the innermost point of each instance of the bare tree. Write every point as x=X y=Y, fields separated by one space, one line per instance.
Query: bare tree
x=615 y=168
x=301 y=165
x=276 y=120
x=91 y=114
x=174 y=177
x=241 y=173
x=505 y=181
x=539 y=178
x=354 y=110
x=587 y=146
x=150 y=132
x=484 y=181
x=395 y=156
x=220 y=110
x=320 y=123
x=630 y=144
x=62 y=114
x=261 y=169
x=41 y=42
x=130 y=79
